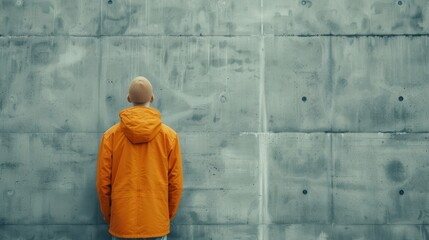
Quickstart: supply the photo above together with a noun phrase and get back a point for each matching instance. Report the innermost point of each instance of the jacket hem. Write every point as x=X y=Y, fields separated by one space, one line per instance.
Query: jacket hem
x=139 y=235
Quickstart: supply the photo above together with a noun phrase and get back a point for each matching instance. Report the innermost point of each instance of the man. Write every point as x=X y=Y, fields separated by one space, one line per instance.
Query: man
x=139 y=171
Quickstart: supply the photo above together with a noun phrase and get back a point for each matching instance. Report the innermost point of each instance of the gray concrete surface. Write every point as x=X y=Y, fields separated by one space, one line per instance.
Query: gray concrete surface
x=298 y=119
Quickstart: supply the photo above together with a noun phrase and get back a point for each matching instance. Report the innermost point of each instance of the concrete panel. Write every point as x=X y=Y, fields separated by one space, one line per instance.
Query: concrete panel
x=197 y=232
x=48 y=178
x=46 y=17
x=183 y=17
x=200 y=84
x=301 y=232
x=49 y=84
x=221 y=179
x=297 y=85
x=370 y=172
x=218 y=206
x=380 y=84
x=346 y=232
x=63 y=232
x=345 y=17
x=298 y=178
x=379 y=232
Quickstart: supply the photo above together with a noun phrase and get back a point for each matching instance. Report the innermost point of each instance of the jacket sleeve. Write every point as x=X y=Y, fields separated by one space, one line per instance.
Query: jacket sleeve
x=175 y=179
x=104 y=170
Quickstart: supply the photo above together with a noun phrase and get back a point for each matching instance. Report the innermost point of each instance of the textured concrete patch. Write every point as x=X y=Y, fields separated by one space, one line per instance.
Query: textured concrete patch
x=218 y=206
x=21 y=17
x=300 y=231
x=380 y=84
x=239 y=232
x=40 y=80
x=221 y=179
x=195 y=17
x=298 y=178
x=50 y=180
x=345 y=17
x=63 y=232
x=297 y=84
x=200 y=84
x=381 y=178
x=215 y=161
x=380 y=232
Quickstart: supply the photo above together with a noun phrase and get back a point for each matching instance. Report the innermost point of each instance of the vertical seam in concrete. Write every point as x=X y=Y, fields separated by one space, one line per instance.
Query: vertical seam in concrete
x=100 y=26
x=262 y=103
x=263 y=156
x=100 y=54
x=331 y=83
x=262 y=138
x=100 y=43
x=331 y=135
x=332 y=173
x=53 y=21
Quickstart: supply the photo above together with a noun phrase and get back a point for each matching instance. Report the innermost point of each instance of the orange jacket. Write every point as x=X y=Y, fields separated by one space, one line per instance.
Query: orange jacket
x=139 y=174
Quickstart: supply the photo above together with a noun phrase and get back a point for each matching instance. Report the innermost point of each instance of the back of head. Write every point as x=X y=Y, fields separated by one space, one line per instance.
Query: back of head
x=140 y=91
x=140 y=124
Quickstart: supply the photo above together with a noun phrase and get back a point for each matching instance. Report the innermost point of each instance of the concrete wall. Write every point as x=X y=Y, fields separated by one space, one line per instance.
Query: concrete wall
x=301 y=119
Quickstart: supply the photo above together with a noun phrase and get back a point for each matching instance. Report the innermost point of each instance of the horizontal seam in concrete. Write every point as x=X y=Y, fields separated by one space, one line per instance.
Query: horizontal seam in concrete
x=236 y=35
x=85 y=224
x=57 y=224
x=345 y=225
x=139 y=36
x=335 y=132
x=352 y=35
x=41 y=133
x=233 y=224
x=210 y=189
x=235 y=133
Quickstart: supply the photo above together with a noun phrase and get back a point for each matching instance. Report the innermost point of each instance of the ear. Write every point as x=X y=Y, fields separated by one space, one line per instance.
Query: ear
x=129 y=99
x=152 y=98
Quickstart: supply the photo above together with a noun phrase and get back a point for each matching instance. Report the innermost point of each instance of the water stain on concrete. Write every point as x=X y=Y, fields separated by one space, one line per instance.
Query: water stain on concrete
x=6 y=140
x=55 y=141
x=416 y=20
x=174 y=78
x=396 y=171
x=10 y=165
x=47 y=175
x=173 y=16
x=46 y=7
x=418 y=181
x=342 y=84
x=43 y=52
x=305 y=164
x=116 y=25
x=19 y=42
x=401 y=114
x=197 y=117
x=165 y=57
x=224 y=143
x=198 y=29
x=218 y=62
x=59 y=24
x=110 y=100
x=65 y=128
x=232 y=61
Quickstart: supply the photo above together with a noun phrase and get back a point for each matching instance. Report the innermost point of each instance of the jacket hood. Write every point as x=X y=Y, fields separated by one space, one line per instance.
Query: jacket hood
x=140 y=124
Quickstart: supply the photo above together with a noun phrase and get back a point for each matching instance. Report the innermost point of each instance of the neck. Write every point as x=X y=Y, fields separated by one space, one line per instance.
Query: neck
x=142 y=104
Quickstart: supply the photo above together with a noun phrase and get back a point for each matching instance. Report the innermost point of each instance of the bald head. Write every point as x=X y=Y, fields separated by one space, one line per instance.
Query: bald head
x=140 y=91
